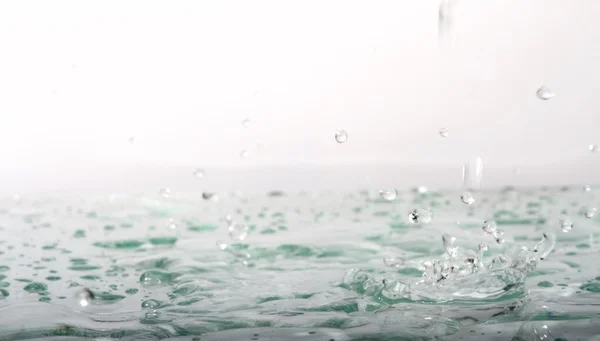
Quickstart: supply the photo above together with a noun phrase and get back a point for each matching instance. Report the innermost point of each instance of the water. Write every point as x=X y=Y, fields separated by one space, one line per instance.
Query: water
x=443 y=132
x=544 y=93
x=341 y=136
x=313 y=266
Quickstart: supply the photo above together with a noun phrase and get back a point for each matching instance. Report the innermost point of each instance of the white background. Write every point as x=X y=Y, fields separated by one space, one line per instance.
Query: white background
x=78 y=78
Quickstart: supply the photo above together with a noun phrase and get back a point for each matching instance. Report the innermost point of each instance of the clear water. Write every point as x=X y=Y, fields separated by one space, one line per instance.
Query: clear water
x=313 y=266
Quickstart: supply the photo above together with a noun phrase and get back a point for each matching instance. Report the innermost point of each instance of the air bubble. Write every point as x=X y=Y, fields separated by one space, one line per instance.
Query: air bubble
x=341 y=136
x=388 y=194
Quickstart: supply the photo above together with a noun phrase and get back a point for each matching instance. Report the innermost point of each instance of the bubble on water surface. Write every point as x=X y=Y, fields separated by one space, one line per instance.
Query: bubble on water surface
x=155 y=278
x=388 y=194
x=165 y=192
x=443 y=132
x=467 y=198
x=590 y=213
x=544 y=93
x=341 y=136
x=566 y=224
x=238 y=232
x=199 y=173
x=420 y=216
x=84 y=297
x=489 y=226
x=593 y=148
x=150 y=304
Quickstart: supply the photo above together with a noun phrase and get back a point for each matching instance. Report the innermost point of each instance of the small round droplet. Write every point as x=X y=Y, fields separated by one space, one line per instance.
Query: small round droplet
x=590 y=213
x=238 y=232
x=593 y=148
x=483 y=247
x=165 y=192
x=244 y=154
x=566 y=224
x=587 y=188
x=341 y=136
x=420 y=216
x=498 y=235
x=199 y=173
x=544 y=93
x=489 y=226
x=467 y=198
x=221 y=245
x=443 y=132
x=388 y=194
x=246 y=122
x=393 y=262
x=84 y=297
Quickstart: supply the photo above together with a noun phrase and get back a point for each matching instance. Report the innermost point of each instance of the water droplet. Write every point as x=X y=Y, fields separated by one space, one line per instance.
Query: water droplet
x=543 y=333
x=422 y=189
x=246 y=122
x=151 y=315
x=498 y=235
x=155 y=277
x=199 y=173
x=171 y=224
x=566 y=224
x=544 y=93
x=545 y=246
x=150 y=304
x=238 y=232
x=467 y=198
x=472 y=173
x=84 y=297
x=590 y=213
x=131 y=139
x=393 y=262
x=221 y=245
x=207 y=195
x=489 y=226
x=448 y=241
x=420 y=216
x=443 y=132
x=587 y=188
x=593 y=148
x=229 y=220
x=165 y=192
x=388 y=194
x=341 y=136
x=483 y=247
x=244 y=154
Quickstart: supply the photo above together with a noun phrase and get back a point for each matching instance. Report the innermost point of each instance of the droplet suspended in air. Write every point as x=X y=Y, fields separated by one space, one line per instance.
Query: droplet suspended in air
x=84 y=297
x=443 y=132
x=165 y=192
x=593 y=148
x=566 y=224
x=199 y=173
x=221 y=245
x=590 y=213
x=544 y=93
x=238 y=232
x=388 y=194
x=246 y=122
x=341 y=136
x=420 y=216
x=489 y=226
x=498 y=236
x=467 y=198
x=483 y=247
x=244 y=154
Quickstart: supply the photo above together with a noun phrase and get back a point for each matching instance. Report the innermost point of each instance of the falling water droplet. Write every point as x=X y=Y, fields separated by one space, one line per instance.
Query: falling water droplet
x=472 y=173
x=467 y=198
x=544 y=93
x=165 y=192
x=483 y=247
x=341 y=136
x=388 y=194
x=566 y=224
x=244 y=154
x=420 y=216
x=498 y=236
x=545 y=246
x=238 y=232
x=443 y=132
x=84 y=297
x=489 y=226
x=221 y=245
x=590 y=213
x=246 y=122
x=199 y=173
x=448 y=241
x=593 y=148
